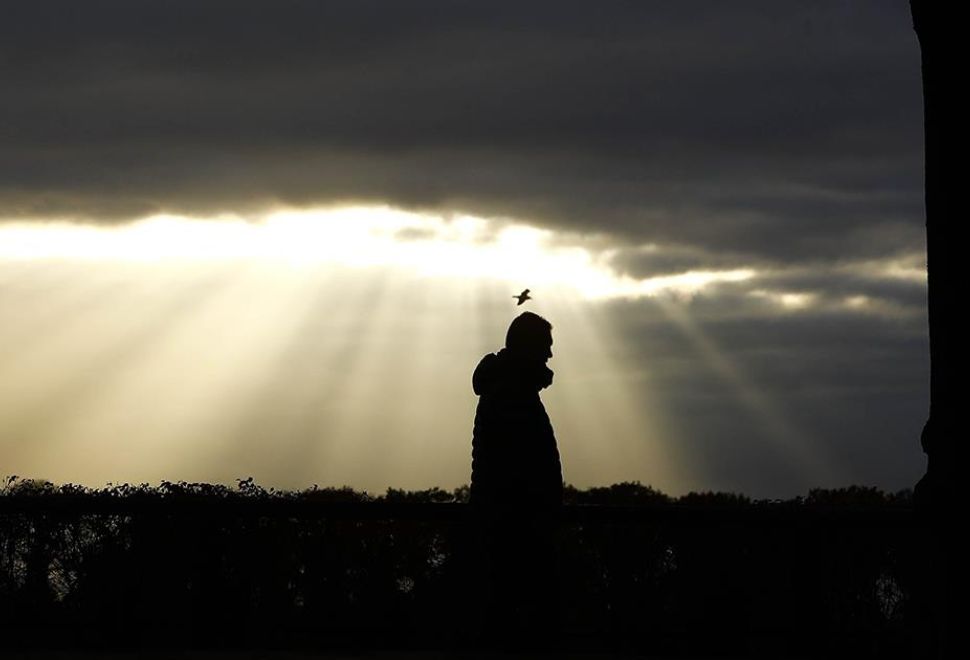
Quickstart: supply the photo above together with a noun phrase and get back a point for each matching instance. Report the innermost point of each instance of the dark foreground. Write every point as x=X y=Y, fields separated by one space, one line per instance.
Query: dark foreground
x=290 y=655
x=87 y=575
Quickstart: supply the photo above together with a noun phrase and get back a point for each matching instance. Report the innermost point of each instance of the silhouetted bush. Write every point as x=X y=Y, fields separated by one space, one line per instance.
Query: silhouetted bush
x=713 y=499
x=625 y=493
x=188 y=563
x=858 y=496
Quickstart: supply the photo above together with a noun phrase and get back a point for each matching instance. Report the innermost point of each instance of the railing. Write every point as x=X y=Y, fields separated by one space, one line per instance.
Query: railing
x=248 y=571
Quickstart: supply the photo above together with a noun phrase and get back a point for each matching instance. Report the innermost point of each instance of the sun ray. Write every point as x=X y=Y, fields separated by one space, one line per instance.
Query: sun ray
x=286 y=407
x=348 y=453
x=76 y=381
x=618 y=431
x=237 y=388
x=790 y=444
x=333 y=346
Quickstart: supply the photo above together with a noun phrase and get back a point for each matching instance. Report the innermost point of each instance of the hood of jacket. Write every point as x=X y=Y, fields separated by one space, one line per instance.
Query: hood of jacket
x=506 y=371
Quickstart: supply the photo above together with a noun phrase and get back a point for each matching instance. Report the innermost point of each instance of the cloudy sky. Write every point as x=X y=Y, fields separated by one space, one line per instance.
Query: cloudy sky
x=273 y=239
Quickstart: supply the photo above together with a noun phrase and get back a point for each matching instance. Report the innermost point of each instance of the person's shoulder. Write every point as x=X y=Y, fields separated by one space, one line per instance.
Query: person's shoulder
x=485 y=373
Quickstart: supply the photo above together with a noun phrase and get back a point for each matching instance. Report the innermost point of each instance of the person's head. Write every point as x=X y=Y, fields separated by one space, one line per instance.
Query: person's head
x=530 y=335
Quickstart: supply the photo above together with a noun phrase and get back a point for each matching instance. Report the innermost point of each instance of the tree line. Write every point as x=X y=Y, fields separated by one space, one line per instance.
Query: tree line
x=156 y=565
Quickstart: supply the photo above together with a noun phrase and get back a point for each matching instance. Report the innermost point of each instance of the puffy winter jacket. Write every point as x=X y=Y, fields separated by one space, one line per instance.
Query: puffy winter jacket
x=515 y=460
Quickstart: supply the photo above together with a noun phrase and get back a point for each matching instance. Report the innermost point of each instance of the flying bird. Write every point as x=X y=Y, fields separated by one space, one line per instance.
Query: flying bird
x=523 y=296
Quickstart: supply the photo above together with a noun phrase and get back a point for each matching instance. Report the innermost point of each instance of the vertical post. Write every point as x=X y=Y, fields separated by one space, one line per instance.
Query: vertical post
x=937 y=491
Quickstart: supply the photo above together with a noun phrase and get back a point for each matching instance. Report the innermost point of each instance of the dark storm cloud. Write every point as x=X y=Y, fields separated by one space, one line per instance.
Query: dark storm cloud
x=778 y=131
x=653 y=260
x=837 y=284
x=853 y=385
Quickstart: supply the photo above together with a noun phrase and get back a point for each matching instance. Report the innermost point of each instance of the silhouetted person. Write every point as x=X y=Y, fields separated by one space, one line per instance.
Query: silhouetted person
x=516 y=487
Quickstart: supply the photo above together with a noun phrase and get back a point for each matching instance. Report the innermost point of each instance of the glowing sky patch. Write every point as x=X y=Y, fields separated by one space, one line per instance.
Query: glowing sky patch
x=456 y=247
x=334 y=346
x=786 y=299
